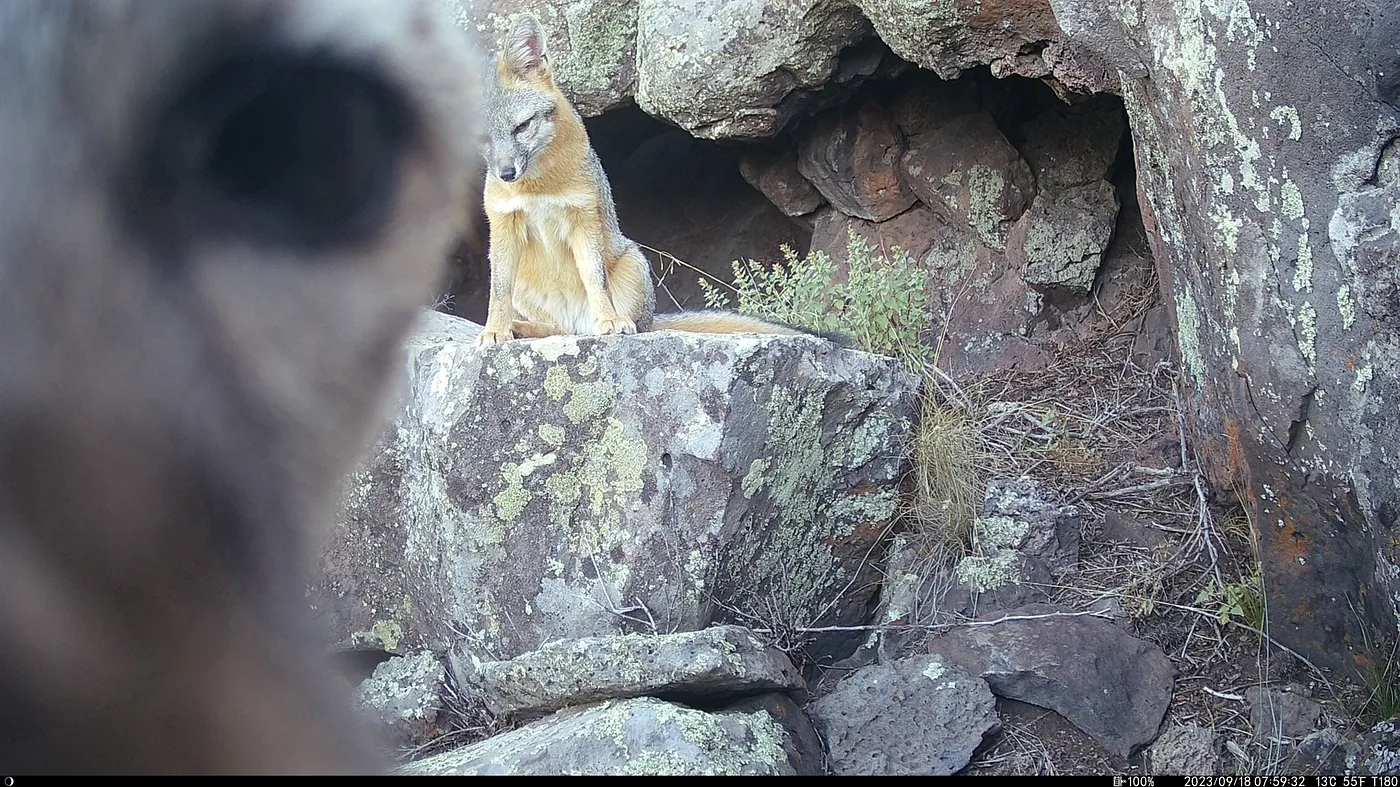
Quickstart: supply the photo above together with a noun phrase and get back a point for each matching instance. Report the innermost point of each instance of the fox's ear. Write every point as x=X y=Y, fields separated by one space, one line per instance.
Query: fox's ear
x=524 y=50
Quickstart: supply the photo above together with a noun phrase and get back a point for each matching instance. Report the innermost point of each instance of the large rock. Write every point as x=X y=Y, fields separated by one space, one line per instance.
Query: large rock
x=852 y=156
x=726 y=68
x=775 y=174
x=1061 y=240
x=1106 y=682
x=742 y=69
x=638 y=737
x=1024 y=543
x=1013 y=37
x=916 y=716
x=404 y=696
x=717 y=662
x=967 y=171
x=1265 y=135
x=581 y=486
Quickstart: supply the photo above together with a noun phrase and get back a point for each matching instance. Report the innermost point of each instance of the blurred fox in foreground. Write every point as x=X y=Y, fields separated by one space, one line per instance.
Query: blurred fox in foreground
x=218 y=220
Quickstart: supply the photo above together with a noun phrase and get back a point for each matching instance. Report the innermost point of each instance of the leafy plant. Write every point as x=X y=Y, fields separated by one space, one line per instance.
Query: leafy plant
x=882 y=304
x=1242 y=600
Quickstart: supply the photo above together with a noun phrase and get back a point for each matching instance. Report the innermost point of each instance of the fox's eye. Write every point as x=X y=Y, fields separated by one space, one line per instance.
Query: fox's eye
x=520 y=129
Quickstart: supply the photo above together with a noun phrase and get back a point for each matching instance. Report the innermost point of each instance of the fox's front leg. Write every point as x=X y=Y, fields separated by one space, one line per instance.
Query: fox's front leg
x=587 y=249
x=507 y=243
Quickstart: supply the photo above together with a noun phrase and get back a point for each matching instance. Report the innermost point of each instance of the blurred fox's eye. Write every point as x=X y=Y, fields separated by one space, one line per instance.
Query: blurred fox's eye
x=523 y=127
x=279 y=147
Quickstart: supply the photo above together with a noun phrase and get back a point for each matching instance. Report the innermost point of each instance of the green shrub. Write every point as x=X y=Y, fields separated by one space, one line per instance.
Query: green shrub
x=882 y=306
x=1241 y=600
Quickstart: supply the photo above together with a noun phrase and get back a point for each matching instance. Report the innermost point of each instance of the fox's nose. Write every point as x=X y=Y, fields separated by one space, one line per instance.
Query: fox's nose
x=507 y=173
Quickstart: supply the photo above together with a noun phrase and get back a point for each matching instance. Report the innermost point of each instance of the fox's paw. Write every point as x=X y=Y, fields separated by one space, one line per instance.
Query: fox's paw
x=616 y=324
x=488 y=337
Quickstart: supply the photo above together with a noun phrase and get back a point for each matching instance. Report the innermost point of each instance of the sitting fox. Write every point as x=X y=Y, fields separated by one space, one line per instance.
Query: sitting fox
x=559 y=262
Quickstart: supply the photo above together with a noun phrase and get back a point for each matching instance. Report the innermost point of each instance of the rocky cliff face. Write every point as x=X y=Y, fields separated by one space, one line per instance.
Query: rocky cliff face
x=1264 y=139
x=1269 y=174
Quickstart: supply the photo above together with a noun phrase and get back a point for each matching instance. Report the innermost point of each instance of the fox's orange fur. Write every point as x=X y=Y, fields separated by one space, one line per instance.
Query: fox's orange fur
x=559 y=262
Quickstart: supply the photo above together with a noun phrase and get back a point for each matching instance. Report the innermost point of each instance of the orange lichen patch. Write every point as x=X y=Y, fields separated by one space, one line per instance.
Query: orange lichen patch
x=1232 y=438
x=866 y=532
x=1291 y=546
x=1352 y=359
x=870 y=530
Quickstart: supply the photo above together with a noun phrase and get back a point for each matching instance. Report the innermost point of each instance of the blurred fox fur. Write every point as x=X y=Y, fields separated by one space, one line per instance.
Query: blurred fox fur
x=218 y=221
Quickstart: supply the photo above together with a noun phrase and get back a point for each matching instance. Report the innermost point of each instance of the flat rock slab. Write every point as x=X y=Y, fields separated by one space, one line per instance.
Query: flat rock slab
x=1281 y=713
x=916 y=716
x=643 y=736
x=715 y=662
x=1108 y=683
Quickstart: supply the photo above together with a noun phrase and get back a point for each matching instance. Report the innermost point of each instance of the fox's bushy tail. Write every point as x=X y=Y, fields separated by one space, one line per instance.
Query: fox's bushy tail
x=712 y=321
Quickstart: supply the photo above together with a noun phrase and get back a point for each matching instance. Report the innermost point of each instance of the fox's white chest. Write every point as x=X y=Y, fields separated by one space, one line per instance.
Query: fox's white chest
x=547 y=284
x=549 y=218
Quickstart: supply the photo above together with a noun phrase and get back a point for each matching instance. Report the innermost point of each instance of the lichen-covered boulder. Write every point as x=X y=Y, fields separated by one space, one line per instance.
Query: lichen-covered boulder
x=1266 y=143
x=592 y=43
x=967 y=171
x=580 y=486
x=403 y=698
x=1061 y=240
x=742 y=69
x=1024 y=544
x=721 y=661
x=949 y=37
x=725 y=69
x=639 y=737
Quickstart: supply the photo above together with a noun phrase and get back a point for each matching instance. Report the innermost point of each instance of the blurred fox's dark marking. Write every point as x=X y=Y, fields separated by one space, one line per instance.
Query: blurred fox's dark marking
x=218 y=220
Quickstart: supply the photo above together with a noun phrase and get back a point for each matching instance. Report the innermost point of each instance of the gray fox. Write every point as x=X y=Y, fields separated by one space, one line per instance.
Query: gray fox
x=218 y=220
x=559 y=260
